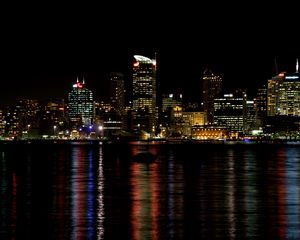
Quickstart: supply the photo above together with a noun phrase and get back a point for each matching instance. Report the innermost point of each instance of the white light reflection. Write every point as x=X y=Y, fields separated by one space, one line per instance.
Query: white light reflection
x=250 y=194
x=231 y=192
x=100 y=197
x=292 y=193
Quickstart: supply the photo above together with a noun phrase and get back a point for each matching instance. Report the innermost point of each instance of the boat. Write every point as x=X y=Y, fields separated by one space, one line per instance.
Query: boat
x=144 y=157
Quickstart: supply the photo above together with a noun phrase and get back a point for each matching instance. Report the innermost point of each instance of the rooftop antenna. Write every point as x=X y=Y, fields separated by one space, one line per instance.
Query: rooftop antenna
x=297 y=66
x=77 y=80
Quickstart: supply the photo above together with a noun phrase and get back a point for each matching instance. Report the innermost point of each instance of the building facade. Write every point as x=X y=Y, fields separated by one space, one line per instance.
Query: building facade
x=212 y=86
x=117 y=92
x=144 y=94
x=230 y=111
x=80 y=104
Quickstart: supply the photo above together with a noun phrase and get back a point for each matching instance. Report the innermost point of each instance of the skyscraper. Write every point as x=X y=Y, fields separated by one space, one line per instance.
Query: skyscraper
x=117 y=92
x=284 y=94
x=272 y=94
x=80 y=104
x=289 y=95
x=260 y=104
x=231 y=111
x=144 y=93
x=212 y=86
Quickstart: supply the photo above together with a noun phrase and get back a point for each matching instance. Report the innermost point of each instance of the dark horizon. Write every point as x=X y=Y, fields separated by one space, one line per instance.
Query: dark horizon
x=45 y=50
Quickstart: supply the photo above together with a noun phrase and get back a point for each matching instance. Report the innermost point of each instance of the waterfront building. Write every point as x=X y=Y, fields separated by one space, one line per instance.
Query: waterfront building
x=144 y=94
x=272 y=94
x=230 y=111
x=212 y=87
x=209 y=132
x=260 y=106
x=284 y=94
x=117 y=92
x=80 y=104
x=289 y=96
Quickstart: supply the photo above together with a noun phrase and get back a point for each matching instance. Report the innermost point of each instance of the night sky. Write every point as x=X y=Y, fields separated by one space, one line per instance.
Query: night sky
x=45 y=48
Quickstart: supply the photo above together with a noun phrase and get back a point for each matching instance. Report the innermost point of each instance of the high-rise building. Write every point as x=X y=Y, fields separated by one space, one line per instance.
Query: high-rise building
x=231 y=111
x=272 y=94
x=80 y=104
x=144 y=93
x=117 y=92
x=212 y=86
x=284 y=94
x=260 y=105
x=289 y=96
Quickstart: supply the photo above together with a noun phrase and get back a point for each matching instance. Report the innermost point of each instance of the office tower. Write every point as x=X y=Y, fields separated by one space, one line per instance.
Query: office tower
x=289 y=96
x=260 y=105
x=284 y=94
x=231 y=111
x=144 y=94
x=212 y=86
x=80 y=104
x=272 y=94
x=117 y=92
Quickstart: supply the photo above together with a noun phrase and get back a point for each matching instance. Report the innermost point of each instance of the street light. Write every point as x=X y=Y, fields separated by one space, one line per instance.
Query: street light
x=100 y=128
x=54 y=128
x=28 y=128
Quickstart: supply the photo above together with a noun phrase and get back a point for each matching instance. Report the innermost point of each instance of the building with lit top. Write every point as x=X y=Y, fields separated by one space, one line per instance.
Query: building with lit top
x=212 y=86
x=289 y=96
x=272 y=94
x=144 y=93
x=284 y=94
x=80 y=104
x=230 y=111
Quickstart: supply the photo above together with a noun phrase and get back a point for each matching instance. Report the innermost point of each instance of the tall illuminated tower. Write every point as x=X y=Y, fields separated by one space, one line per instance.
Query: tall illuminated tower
x=212 y=86
x=144 y=93
x=272 y=94
x=117 y=92
x=80 y=104
x=284 y=94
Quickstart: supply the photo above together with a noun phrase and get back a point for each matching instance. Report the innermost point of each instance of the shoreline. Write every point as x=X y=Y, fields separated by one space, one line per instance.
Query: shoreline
x=148 y=142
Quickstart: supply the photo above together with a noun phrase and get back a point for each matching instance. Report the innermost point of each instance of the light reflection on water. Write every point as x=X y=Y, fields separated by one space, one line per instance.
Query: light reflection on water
x=292 y=196
x=189 y=192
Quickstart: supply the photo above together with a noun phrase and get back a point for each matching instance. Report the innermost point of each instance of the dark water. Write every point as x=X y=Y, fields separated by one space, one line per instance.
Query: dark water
x=188 y=192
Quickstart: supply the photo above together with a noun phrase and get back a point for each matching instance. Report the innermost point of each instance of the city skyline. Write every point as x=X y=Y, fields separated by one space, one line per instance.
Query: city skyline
x=56 y=84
